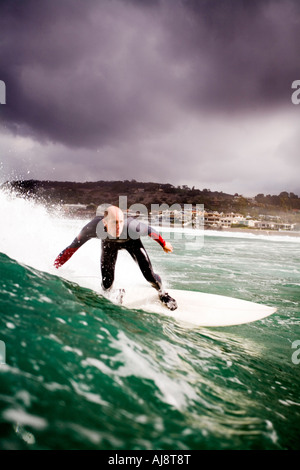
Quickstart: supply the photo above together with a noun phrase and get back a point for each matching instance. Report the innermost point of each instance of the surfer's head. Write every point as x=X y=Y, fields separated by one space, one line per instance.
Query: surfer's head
x=113 y=220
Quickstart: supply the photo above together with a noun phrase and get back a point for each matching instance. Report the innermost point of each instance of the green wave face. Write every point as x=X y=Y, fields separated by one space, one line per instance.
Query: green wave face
x=83 y=373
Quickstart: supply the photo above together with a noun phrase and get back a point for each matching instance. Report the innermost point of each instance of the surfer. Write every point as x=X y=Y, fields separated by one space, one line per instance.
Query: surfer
x=117 y=233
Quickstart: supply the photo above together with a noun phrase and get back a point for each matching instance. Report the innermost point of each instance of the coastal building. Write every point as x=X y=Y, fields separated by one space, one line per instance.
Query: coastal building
x=216 y=220
x=221 y=220
x=268 y=225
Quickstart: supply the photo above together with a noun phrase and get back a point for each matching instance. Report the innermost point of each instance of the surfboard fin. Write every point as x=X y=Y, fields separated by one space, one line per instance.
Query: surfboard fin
x=168 y=301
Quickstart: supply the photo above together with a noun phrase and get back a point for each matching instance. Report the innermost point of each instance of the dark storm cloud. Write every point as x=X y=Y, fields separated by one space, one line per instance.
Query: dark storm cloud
x=243 y=53
x=83 y=75
x=90 y=73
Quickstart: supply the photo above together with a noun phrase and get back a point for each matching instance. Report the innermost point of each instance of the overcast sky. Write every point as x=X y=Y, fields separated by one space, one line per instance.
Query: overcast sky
x=173 y=91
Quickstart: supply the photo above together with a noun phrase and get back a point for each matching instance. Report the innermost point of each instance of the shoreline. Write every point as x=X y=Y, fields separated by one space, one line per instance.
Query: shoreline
x=259 y=231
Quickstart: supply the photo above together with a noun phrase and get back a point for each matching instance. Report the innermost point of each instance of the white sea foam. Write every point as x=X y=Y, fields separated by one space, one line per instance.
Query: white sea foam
x=255 y=236
x=20 y=416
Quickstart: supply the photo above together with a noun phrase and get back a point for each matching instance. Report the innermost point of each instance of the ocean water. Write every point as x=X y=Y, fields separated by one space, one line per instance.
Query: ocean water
x=83 y=373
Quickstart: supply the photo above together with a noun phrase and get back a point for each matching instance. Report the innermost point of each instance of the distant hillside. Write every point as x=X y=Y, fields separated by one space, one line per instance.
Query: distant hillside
x=92 y=194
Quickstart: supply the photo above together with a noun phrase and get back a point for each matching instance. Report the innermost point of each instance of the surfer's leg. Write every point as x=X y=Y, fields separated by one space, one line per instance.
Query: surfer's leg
x=139 y=254
x=109 y=255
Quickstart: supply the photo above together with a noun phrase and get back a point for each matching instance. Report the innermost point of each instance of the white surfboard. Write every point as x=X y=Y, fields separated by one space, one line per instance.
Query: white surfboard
x=197 y=308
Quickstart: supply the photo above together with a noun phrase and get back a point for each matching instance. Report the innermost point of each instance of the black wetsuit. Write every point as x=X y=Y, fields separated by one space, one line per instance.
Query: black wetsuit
x=128 y=240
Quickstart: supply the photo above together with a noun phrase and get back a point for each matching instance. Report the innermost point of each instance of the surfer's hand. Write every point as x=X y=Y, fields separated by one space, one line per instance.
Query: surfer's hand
x=57 y=263
x=168 y=247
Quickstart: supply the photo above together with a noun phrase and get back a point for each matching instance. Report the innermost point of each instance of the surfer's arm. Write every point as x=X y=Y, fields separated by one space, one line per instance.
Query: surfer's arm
x=152 y=233
x=156 y=236
x=167 y=247
x=88 y=232
x=66 y=254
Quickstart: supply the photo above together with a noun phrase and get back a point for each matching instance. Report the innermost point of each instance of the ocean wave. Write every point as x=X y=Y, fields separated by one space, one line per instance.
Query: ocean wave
x=84 y=373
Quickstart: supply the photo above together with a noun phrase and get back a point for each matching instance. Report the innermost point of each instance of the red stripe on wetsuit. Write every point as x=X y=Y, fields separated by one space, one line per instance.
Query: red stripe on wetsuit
x=158 y=238
x=64 y=256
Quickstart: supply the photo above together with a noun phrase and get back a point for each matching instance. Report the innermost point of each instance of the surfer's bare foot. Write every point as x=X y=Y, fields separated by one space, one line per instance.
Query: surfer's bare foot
x=168 y=301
